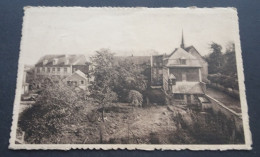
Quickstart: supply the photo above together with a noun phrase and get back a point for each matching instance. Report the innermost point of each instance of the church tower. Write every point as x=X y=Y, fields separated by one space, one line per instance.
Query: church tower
x=182 y=41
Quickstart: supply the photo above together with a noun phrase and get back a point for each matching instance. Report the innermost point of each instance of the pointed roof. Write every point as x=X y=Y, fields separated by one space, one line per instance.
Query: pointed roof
x=174 y=59
x=79 y=73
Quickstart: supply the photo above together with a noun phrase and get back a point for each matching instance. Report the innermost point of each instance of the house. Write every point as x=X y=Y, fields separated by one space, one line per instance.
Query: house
x=181 y=74
x=77 y=79
x=61 y=66
x=25 y=85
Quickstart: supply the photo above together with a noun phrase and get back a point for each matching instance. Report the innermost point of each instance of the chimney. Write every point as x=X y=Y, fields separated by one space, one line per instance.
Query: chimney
x=55 y=61
x=66 y=62
x=45 y=62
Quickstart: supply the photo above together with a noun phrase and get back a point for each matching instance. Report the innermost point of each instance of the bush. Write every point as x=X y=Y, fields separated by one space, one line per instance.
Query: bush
x=211 y=128
x=135 y=98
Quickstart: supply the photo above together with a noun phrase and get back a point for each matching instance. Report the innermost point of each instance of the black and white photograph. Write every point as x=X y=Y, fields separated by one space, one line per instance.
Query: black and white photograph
x=130 y=78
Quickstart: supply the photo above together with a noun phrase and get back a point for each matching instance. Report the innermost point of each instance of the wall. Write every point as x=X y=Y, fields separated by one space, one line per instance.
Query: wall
x=192 y=74
x=217 y=106
x=44 y=71
x=204 y=69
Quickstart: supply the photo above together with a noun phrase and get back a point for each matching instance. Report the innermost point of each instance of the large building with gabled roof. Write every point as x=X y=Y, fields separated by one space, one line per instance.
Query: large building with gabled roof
x=181 y=74
x=61 y=66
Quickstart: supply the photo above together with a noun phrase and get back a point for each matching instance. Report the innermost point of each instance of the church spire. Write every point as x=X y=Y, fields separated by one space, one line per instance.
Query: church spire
x=182 y=40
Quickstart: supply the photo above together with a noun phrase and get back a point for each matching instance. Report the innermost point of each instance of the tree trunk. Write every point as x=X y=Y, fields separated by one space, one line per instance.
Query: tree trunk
x=100 y=134
x=103 y=114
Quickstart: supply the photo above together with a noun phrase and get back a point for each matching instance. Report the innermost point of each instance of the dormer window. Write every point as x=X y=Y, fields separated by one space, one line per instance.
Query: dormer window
x=182 y=60
x=55 y=61
x=45 y=62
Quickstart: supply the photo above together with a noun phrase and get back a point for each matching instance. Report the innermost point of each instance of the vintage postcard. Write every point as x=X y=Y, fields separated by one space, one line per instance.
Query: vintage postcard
x=130 y=78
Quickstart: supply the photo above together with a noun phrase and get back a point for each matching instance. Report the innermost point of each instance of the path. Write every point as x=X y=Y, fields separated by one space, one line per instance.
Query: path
x=227 y=100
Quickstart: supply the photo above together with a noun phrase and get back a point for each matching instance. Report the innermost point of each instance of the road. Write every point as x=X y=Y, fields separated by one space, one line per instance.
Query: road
x=227 y=100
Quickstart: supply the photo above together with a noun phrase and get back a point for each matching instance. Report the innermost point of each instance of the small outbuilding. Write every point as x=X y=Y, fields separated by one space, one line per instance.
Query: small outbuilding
x=77 y=79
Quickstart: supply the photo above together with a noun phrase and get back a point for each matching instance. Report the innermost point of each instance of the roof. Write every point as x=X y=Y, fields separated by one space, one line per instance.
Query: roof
x=189 y=48
x=139 y=60
x=187 y=88
x=174 y=59
x=79 y=73
x=61 y=60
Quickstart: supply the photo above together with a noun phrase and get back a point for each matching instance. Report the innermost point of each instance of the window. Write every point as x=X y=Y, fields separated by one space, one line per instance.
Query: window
x=48 y=70
x=43 y=69
x=53 y=69
x=183 y=61
x=82 y=82
x=65 y=70
x=58 y=69
x=178 y=96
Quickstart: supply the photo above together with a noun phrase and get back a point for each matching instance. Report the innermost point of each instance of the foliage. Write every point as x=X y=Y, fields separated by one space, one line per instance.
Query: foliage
x=222 y=66
x=135 y=98
x=119 y=78
x=104 y=77
x=215 y=59
x=130 y=78
x=58 y=107
x=208 y=128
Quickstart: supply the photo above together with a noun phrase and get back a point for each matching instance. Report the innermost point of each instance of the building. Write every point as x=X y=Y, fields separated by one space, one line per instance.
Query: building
x=181 y=74
x=25 y=85
x=77 y=79
x=61 y=66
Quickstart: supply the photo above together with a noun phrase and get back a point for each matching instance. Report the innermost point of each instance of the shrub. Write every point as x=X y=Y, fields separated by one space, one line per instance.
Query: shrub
x=135 y=98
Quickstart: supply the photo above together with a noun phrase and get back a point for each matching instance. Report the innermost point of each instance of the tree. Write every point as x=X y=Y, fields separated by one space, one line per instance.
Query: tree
x=130 y=78
x=105 y=76
x=215 y=59
x=229 y=66
x=56 y=109
x=135 y=98
x=222 y=67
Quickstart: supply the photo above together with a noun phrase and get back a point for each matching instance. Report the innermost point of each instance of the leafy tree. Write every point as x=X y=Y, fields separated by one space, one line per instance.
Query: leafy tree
x=56 y=109
x=105 y=76
x=215 y=59
x=135 y=98
x=229 y=66
x=130 y=78
x=222 y=67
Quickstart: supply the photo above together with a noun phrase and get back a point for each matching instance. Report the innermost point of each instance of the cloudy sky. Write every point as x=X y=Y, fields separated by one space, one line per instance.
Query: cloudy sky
x=137 y=31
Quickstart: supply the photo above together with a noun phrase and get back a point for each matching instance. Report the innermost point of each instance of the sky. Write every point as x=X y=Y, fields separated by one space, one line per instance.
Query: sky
x=125 y=31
